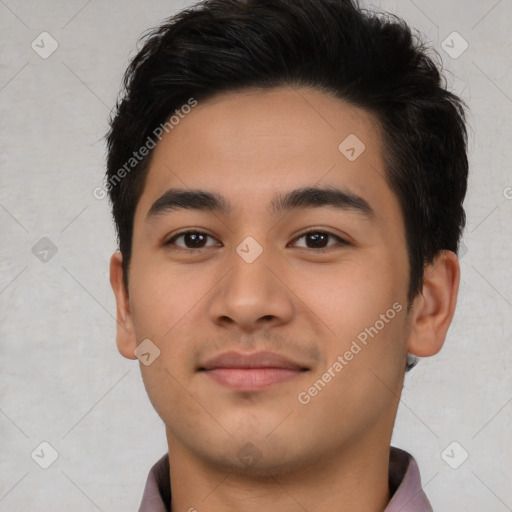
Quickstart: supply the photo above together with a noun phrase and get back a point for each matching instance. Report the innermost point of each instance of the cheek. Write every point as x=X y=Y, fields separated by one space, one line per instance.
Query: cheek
x=163 y=294
x=352 y=295
x=364 y=306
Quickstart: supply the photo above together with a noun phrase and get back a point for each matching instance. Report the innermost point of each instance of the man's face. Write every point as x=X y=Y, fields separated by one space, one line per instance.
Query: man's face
x=251 y=279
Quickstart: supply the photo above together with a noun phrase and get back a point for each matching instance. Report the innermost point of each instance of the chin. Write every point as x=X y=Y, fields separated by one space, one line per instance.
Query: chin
x=250 y=460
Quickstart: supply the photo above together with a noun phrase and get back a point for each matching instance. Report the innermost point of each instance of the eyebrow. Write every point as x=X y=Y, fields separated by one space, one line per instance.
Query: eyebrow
x=307 y=197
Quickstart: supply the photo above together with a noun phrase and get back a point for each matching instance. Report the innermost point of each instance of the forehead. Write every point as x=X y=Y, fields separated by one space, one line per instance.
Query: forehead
x=249 y=145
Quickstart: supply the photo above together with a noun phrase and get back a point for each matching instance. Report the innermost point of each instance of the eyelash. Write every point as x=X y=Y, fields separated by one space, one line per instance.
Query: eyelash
x=341 y=241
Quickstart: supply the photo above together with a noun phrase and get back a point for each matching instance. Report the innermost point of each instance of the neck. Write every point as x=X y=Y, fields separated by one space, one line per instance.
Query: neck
x=353 y=479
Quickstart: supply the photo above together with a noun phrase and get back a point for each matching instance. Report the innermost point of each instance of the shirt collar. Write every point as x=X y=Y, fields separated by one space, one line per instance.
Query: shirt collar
x=404 y=484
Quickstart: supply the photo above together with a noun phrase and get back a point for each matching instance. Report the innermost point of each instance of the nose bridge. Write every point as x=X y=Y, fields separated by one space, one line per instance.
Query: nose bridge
x=251 y=292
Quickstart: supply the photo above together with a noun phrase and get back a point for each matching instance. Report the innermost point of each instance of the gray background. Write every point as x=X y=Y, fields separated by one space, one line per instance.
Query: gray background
x=62 y=379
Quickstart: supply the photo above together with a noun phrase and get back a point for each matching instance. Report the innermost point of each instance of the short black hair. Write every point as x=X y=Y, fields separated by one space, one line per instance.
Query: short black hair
x=370 y=60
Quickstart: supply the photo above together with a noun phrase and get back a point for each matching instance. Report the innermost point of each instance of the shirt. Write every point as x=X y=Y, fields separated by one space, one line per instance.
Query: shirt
x=404 y=485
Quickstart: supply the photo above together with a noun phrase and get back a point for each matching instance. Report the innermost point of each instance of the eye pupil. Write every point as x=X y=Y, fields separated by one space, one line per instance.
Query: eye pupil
x=194 y=237
x=317 y=238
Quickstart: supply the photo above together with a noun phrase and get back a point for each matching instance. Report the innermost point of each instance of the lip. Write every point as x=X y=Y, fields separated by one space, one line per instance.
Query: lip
x=251 y=372
x=264 y=359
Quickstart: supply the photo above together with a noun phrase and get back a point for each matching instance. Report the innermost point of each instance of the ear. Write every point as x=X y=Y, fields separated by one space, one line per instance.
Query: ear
x=125 y=332
x=434 y=307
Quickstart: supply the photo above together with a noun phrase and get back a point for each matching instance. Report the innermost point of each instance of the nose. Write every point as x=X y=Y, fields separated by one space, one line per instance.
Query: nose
x=252 y=295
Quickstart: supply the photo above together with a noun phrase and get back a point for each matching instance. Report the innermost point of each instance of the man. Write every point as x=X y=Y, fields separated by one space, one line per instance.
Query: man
x=287 y=180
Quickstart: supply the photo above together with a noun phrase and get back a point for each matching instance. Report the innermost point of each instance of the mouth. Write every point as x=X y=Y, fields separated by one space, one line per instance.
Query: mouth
x=251 y=372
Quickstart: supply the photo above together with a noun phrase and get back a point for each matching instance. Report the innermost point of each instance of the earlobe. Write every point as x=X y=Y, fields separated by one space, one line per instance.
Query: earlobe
x=434 y=307
x=125 y=333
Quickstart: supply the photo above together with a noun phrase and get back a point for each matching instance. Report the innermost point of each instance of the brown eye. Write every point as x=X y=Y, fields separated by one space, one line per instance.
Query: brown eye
x=191 y=240
x=319 y=240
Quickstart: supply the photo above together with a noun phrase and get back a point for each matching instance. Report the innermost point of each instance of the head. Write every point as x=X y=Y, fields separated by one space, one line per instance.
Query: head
x=278 y=106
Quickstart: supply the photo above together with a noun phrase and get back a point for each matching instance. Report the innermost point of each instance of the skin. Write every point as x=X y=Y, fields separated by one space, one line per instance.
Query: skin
x=333 y=452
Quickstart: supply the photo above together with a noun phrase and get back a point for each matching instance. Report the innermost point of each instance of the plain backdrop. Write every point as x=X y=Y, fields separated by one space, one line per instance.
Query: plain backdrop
x=63 y=381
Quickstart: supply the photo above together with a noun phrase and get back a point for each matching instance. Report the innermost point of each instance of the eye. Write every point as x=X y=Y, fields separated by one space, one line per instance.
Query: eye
x=318 y=240
x=313 y=239
x=191 y=240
